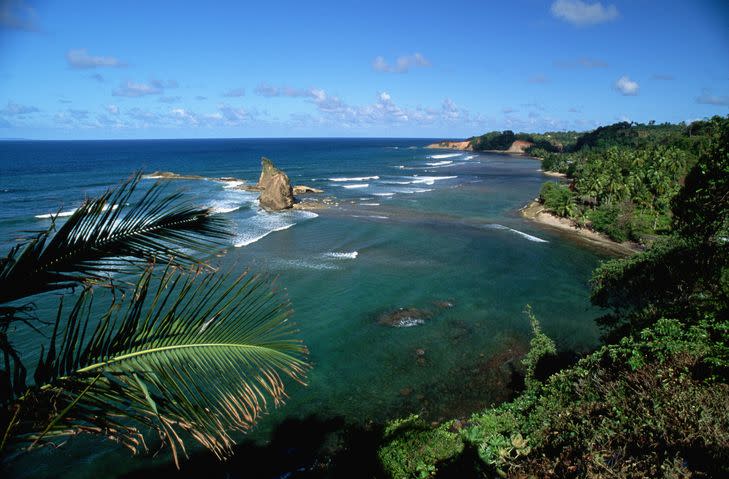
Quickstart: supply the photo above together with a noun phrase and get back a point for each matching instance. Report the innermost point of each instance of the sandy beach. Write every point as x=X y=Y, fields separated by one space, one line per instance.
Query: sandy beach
x=536 y=212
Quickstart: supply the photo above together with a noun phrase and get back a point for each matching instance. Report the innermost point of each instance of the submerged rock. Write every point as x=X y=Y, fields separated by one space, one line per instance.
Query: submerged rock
x=276 y=191
x=405 y=317
x=420 y=356
x=443 y=304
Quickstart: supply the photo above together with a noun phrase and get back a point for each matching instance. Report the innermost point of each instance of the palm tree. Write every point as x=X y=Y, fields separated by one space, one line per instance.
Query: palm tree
x=186 y=351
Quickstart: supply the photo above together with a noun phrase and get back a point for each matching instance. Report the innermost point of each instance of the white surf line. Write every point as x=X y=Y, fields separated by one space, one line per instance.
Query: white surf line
x=497 y=226
x=64 y=214
x=355 y=178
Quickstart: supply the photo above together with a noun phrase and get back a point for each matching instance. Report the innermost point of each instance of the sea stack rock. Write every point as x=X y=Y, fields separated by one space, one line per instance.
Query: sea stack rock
x=276 y=191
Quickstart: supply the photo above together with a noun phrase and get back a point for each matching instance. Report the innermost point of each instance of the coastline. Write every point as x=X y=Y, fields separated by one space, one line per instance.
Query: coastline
x=554 y=174
x=464 y=145
x=516 y=148
x=535 y=211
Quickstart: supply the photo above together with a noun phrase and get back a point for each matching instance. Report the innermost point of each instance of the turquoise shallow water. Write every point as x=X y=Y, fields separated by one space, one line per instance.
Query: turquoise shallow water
x=429 y=228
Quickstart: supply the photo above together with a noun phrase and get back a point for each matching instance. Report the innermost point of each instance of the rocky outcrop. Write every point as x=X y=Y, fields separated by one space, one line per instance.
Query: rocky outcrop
x=169 y=175
x=275 y=187
x=302 y=190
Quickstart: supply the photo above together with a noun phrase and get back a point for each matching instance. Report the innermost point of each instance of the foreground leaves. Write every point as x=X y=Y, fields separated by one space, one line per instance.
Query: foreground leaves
x=196 y=355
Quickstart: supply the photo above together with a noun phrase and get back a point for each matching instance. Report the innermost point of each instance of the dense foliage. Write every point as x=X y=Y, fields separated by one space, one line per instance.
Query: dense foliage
x=647 y=407
x=652 y=403
x=541 y=142
x=685 y=275
x=623 y=177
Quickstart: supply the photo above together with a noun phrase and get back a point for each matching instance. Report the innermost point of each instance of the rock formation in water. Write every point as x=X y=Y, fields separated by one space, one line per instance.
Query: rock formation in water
x=276 y=191
x=302 y=189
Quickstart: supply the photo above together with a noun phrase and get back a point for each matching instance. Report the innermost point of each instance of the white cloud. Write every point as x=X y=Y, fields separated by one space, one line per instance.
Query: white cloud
x=402 y=64
x=235 y=93
x=234 y=115
x=134 y=90
x=707 y=98
x=626 y=86
x=146 y=117
x=183 y=116
x=582 y=13
x=75 y=118
x=384 y=111
x=80 y=59
x=113 y=109
x=16 y=109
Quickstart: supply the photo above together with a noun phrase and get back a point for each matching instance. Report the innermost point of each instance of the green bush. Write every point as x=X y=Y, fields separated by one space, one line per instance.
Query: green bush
x=558 y=162
x=611 y=220
x=413 y=449
x=558 y=199
x=540 y=345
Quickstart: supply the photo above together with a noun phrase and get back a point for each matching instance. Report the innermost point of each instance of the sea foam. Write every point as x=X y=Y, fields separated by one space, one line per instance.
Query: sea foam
x=232 y=184
x=263 y=224
x=340 y=255
x=440 y=163
x=446 y=155
x=429 y=180
x=65 y=214
x=356 y=185
x=520 y=233
x=356 y=178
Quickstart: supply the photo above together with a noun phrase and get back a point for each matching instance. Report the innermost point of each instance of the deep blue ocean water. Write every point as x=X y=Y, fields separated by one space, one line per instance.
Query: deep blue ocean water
x=412 y=227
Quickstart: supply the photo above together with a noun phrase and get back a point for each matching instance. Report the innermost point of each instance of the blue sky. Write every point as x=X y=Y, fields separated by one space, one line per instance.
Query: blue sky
x=177 y=69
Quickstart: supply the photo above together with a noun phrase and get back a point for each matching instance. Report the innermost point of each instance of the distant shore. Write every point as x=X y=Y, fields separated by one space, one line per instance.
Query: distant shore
x=517 y=148
x=536 y=212
x=464 y=145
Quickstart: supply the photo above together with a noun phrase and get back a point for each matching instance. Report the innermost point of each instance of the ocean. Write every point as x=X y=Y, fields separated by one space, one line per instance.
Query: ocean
x=434 y=230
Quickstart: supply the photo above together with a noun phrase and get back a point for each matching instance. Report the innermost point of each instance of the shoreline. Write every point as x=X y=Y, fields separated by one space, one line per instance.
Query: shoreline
x=534 y=211
x=464 y=145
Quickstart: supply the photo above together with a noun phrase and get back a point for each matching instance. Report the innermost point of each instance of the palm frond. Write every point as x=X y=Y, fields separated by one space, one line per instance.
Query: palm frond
x=185 y=354
x=107 y=233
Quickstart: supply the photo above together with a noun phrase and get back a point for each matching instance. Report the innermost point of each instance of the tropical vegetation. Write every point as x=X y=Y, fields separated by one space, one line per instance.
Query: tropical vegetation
x=652 y=401
x=145 y=336
x=623 y=177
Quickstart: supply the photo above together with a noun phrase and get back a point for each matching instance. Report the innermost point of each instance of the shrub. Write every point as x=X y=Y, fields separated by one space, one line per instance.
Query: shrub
x=414 y=449
x=558 y=199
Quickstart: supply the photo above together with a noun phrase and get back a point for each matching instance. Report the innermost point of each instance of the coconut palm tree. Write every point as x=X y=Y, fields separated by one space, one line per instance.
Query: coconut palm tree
x=179 y=348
